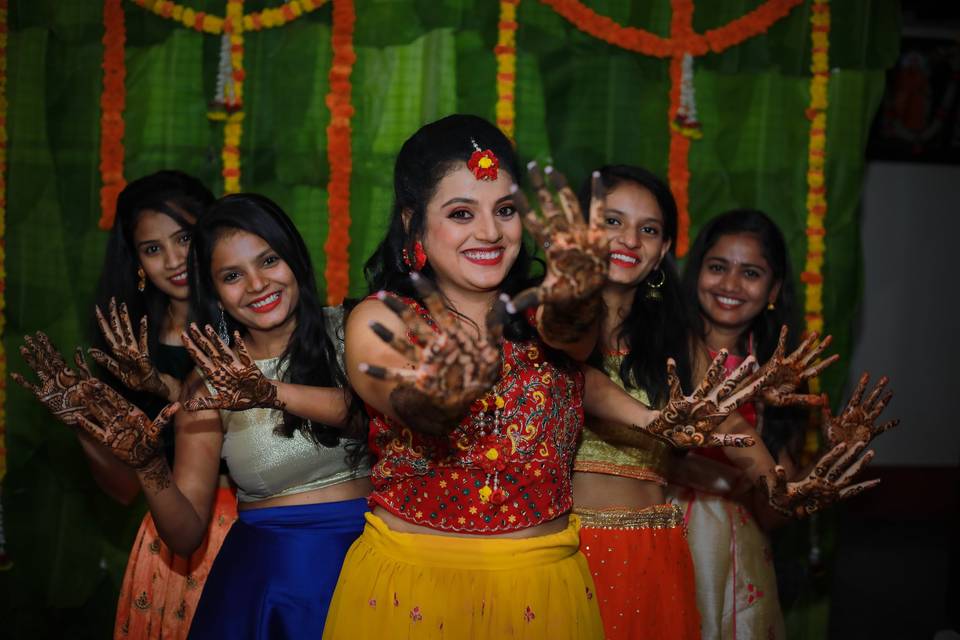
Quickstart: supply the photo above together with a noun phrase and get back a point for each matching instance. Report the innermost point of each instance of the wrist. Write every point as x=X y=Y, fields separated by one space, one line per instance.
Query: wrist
x=155 y=474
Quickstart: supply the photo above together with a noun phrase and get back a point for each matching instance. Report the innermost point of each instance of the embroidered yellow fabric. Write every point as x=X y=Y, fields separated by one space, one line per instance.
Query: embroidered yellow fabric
x=596 y=455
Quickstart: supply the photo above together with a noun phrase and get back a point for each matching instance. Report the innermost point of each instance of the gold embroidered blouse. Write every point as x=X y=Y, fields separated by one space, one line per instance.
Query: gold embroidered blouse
x=646 y=462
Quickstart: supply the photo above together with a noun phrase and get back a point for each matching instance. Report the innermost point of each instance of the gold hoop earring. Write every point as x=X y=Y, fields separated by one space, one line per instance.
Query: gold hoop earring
x=142 y=282
x=771 y=306
x=653 y=287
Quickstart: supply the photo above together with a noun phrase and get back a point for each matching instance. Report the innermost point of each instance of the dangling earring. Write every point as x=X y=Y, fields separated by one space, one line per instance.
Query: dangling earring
x=419 y=257
x=653 y=288
x=222 y=330
x=142 y=282
x=771 y=306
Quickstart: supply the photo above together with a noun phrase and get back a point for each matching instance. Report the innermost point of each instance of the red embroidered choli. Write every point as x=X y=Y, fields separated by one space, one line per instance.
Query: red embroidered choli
x=506 y=467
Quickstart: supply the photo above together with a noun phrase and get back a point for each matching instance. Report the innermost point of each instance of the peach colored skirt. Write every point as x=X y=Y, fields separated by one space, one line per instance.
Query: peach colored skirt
x=160 y=589
x=643 y=572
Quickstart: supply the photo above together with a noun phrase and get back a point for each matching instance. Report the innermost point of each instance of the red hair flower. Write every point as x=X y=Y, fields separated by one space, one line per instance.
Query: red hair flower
x=484 y=164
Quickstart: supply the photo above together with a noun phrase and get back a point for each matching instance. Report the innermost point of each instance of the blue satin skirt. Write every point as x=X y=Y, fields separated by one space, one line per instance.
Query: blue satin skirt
x=276 y=572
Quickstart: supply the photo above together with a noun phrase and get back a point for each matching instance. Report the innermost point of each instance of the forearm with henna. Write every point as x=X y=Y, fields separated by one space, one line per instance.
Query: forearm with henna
x=567 y=323
x=156 y=475
x=419 y=411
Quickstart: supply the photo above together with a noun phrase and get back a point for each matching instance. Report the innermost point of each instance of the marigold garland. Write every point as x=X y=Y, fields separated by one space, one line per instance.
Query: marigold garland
x=215 y=25
x=812 y=275
x=113 y=101
x=682 y=43
x=339 y=152
x=4 y=558
x=233 y=127
x=506 y=53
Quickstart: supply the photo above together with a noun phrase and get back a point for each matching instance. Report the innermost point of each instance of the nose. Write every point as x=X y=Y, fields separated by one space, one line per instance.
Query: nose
x=256 y=282
x=631 y=237
x=730 y=281
x=488 y=229
x=175 y=258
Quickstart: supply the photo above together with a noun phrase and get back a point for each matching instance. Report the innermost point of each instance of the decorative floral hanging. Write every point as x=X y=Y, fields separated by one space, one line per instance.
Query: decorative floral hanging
x=339 y=152
x=685 y=123
x=812 y=275
x=506 y=53
x=681 y=47
x=113 y=101
x=228 y=105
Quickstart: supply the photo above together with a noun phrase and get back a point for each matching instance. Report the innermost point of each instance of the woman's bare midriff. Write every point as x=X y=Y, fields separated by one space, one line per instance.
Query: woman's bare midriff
x=604 y=491
x=402 y=526
x=349 y=490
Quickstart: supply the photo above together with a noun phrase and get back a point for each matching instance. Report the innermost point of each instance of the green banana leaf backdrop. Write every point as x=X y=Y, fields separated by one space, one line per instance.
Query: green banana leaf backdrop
x=580 y=102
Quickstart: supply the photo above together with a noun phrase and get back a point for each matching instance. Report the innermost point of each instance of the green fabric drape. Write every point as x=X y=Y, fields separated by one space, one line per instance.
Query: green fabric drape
x=580 y=102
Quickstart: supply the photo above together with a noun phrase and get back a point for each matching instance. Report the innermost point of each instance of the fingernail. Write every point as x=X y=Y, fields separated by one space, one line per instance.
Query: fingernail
x=363 y=367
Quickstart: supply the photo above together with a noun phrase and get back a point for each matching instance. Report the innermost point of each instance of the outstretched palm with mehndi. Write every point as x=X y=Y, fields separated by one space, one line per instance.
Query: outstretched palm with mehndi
x=130 y=362
x=121 y=426
x=453 y=366
x=856 y=422
x=690 y=421
x=58 y=388
x=785 y=373
x=828 y=482
x=575 y=249
x=234 y=375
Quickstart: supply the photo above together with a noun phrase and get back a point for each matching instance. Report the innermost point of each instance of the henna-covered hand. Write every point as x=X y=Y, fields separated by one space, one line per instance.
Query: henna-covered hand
x=576 y=252
x=454 y=367
x=121 y=426
x=856 y=422
x=59 y=385
x=238 y=381
x=130 y=362
x=785 y=373
x=689 y=421
x=828 y=482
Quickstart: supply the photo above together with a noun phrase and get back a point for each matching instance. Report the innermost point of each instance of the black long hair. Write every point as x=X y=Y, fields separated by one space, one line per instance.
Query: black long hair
x=654 y=329
x=310 y=357
x=172 y=193
x=765 y=328
x=424 y=159
x=781 y=425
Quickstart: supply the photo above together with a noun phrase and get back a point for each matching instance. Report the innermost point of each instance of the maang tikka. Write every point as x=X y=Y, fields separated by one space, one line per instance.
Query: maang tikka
x=483 y=163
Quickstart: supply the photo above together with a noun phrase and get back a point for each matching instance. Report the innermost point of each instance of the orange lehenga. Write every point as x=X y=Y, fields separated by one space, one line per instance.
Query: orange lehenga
x=160 y=590
x=639 y=559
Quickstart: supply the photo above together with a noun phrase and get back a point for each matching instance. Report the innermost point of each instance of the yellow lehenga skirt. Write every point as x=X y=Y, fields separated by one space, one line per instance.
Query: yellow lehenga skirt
x=420 y=586
x=160 y=589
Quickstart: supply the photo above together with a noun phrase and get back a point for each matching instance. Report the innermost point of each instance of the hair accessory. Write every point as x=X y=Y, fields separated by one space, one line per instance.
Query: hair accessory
x=771 y=306
x=142 y=282
x=419 y=257
x=222 y=330
x=653 y=288
x=483 y=163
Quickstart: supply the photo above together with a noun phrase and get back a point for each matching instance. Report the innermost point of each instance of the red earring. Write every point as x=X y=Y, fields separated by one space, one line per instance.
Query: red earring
x=419 y=257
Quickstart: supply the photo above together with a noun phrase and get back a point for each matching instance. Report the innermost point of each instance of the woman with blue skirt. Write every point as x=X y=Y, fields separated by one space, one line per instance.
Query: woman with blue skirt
x=269 y=399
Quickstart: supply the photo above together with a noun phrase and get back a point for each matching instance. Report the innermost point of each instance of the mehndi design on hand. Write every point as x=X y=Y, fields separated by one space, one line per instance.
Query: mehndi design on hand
x=576 y=253
x=130 y=362
x=689 y=421
x=856 y=422
x=454 y=367
x=788 y=372
x=121 y=426
x=59 y=385
x=828 y=482
x=238 y=381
